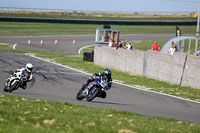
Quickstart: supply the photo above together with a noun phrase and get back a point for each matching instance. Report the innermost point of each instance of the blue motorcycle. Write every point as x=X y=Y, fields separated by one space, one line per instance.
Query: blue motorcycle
x=94 y=89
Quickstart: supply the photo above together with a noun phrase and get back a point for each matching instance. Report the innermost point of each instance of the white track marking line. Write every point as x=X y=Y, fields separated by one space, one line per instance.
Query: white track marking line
x=14 y=46
x=58 y=64
x=79 y=51
x=115 y=82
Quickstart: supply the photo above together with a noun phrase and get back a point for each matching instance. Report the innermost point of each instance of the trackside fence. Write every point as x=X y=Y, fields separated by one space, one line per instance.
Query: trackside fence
x=179 y=68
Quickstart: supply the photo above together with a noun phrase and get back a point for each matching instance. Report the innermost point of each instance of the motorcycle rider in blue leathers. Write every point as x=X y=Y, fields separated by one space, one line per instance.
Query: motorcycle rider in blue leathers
x=106 y=73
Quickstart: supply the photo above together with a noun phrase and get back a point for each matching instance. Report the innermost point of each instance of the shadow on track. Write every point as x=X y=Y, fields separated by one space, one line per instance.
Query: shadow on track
x=114 y=103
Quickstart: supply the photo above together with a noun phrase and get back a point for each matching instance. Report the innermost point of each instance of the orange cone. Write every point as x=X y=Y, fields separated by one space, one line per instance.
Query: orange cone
x=41 y=42
x=56 y=42
x=29 y=42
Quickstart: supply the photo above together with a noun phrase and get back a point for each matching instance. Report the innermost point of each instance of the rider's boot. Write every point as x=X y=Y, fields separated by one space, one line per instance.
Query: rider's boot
x=24 y=85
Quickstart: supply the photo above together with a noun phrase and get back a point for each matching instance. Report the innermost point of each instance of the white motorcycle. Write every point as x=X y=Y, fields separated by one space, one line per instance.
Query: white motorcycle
x=15 y=81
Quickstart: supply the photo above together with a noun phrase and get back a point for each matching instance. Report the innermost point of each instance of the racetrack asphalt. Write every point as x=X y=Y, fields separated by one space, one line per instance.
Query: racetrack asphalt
x=57 y=83
x=65 y=42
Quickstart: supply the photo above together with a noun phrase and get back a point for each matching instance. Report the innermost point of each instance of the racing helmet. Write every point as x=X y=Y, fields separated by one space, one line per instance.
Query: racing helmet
x=29 y=67
x=108 y=72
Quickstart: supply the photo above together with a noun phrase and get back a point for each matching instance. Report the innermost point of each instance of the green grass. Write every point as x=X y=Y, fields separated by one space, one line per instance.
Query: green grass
x=38 y=29
x=147 y=45
x=76 y=61
x=89 y=49
x=192 y=47
x=21 y=115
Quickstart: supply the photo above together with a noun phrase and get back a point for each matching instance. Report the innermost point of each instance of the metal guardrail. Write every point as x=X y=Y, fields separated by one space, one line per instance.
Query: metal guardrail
x=100 y=22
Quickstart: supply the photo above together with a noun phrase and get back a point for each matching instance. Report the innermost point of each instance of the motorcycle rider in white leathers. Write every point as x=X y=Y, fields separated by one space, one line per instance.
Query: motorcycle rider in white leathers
x=28 y=69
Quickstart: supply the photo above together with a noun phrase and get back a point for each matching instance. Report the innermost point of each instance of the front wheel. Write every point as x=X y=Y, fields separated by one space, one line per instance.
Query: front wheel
x=5 y=89
x=13 y=86
x=92 y=94
x=79 y=95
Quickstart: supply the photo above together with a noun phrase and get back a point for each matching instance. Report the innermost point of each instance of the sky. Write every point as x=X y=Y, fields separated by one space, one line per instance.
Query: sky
x=107 y=5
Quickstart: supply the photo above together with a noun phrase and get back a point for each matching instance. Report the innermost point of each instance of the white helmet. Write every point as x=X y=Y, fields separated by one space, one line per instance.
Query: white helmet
x=29 y=67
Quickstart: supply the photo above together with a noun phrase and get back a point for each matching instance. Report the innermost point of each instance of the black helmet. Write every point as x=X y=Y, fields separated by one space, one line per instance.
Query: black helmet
x=108 y=72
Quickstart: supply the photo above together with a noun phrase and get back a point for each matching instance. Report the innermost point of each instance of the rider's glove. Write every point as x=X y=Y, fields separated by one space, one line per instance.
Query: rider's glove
x=94 y=76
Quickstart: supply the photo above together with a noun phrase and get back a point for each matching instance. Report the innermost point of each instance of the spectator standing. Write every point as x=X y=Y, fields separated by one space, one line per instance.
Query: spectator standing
x=110 y=44
x=172 y=49
x=107 y=38
x=129 y=46
x=120 y=44
x=155 y=47
x=198 y=52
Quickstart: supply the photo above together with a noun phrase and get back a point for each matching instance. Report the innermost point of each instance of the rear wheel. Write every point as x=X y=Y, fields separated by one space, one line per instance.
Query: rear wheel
x=79 y=95
x=102 y=94
x=93 y=93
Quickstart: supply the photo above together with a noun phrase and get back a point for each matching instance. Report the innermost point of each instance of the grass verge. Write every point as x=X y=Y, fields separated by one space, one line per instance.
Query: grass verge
x=136 y=81
x=38 y=29
x=21 y=115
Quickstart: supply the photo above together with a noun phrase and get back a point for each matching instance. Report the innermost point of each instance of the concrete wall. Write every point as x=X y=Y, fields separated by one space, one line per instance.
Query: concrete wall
x=192 y=72
x=121 y=59
x=165 y=67
x=179 y=68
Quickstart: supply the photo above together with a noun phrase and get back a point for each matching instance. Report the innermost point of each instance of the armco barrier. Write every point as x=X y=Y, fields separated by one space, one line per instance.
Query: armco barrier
x=179 y=68
x=62 y=21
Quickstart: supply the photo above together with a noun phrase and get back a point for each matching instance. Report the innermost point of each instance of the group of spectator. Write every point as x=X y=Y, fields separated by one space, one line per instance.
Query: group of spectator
x=129 y=46
x=170 y=51
x=126 y=45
